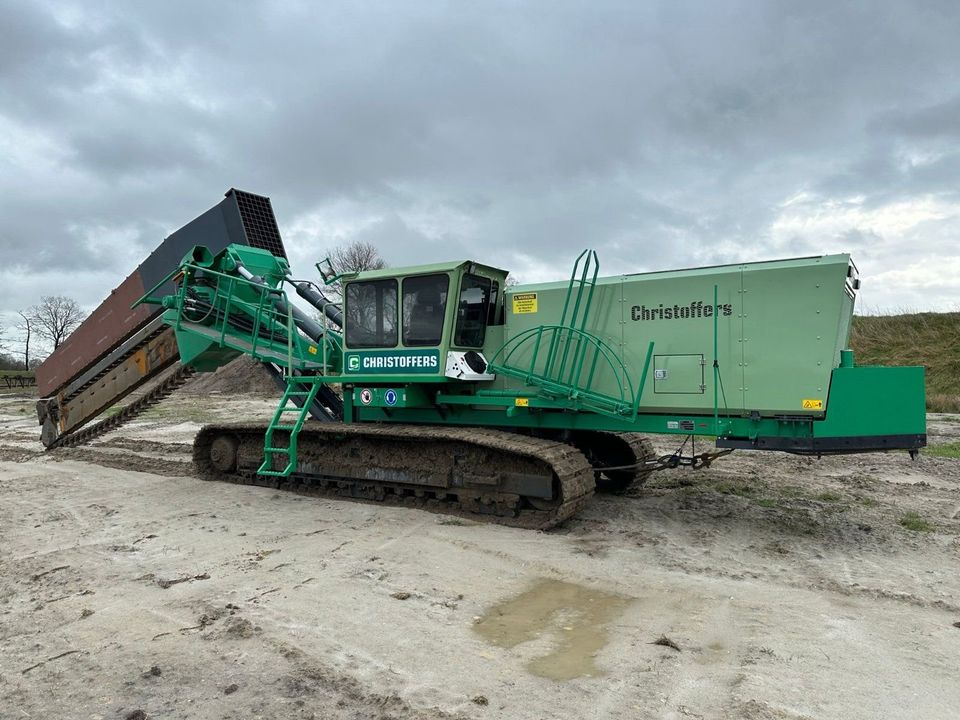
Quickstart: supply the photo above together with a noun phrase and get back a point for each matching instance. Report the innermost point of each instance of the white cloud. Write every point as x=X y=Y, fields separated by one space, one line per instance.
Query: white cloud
x=662 y=134
x=824 y=219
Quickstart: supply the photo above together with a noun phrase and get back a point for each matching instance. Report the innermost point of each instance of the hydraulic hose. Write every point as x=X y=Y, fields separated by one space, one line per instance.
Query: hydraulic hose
x=310 y=327
x=310 y=293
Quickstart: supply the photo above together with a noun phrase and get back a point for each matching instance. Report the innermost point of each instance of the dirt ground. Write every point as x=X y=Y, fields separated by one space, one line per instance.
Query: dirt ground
x=776 y=587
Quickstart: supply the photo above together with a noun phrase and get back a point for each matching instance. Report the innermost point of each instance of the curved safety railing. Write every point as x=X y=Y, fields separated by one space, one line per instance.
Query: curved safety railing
x=563 y=365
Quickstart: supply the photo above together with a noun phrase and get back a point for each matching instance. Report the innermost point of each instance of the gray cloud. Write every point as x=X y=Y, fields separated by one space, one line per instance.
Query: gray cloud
x=663 y=134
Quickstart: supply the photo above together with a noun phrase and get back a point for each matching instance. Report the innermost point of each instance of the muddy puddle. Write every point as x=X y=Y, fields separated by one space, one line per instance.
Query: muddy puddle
x=566 y=620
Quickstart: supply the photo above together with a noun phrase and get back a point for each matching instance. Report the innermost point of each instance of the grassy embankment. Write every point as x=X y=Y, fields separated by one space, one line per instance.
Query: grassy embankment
x=928 y=339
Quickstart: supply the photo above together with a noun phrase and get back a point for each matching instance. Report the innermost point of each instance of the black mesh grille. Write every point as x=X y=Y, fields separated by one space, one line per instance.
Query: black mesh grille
x=259 y=222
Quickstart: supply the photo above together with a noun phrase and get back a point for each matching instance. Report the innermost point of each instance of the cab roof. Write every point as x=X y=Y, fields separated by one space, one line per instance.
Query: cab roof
x=422 y=270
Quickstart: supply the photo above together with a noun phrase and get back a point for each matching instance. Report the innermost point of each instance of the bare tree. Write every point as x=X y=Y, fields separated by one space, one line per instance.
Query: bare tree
x=55 y=317
x=26 y=327
x=354 y=256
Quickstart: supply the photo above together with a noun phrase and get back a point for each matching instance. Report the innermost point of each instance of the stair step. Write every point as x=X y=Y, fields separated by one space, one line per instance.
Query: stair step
x=286 y=406
x=275 y=473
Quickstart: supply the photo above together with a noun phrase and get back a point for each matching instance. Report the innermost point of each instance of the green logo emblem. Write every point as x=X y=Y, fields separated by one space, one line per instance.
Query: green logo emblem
x=394 y=362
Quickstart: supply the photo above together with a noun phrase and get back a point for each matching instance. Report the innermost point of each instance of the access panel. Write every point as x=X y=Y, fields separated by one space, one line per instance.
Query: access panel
x=678 y=374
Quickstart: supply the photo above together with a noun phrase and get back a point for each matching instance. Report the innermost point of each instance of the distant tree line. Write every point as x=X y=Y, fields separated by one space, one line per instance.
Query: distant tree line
x=44 y=325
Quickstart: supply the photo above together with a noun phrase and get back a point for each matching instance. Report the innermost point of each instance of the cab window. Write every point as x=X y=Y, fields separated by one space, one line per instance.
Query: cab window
x=424 y=305
x=371 y=314
x=472 y=311
x=494 y=317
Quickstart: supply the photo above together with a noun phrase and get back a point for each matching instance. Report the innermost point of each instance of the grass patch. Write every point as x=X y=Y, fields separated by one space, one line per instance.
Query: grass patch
x=943 y=403
x=829 y=496
x=757 y=495
x=732 y=487
x=916 y=522
x=947 y=450
x=792 y=491
x=869 y=502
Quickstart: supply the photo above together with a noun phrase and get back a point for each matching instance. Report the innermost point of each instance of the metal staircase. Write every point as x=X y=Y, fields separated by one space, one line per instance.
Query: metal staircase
x=295 y=389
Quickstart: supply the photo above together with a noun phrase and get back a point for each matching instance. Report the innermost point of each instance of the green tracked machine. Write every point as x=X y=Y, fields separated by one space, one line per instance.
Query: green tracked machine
x=463 y=394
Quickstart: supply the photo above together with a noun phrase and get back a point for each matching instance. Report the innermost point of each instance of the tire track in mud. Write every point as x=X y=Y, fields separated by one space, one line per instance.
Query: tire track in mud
x=820 y=585
x=125 y=461
x=141 y=445
x=814 y=585
x=12 y=453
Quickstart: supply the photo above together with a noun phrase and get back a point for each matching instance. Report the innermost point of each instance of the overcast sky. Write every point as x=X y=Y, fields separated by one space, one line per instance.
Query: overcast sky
x=663 y=134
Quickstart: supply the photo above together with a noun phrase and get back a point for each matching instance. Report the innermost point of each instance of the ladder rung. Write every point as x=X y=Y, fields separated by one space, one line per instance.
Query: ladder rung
x=286 y=406
x=276 y=473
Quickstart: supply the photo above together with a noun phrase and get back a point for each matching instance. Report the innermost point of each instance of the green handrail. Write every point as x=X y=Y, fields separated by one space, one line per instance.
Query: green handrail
x=260 y=309
x=570 y=387
x=576 y=310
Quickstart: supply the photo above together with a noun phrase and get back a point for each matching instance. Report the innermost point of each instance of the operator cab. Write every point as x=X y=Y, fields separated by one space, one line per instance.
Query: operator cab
x=429 y=320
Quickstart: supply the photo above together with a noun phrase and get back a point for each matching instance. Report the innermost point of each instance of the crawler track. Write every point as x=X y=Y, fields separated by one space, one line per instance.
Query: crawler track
x=148 y=400
x=642 y=452
x=622 y=462
x=486 y=475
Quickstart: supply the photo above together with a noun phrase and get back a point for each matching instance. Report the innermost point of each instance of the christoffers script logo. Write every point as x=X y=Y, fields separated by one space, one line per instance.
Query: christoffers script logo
x=696 y=309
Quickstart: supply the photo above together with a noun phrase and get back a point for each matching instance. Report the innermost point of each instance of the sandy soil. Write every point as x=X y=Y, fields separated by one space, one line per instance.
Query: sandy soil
x=787 y=586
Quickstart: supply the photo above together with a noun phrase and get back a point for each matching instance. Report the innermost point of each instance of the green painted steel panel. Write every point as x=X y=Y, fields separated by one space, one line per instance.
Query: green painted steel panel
x=869 y=401
x=397 y=396
x=780 y=328
x=790 y=333
x=678 y=374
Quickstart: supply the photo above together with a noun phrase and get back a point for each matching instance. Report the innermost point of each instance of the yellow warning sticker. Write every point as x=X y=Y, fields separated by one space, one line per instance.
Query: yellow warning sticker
x=312 y=349
x=522 y=402
x=813 y=404
x=524 y=303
